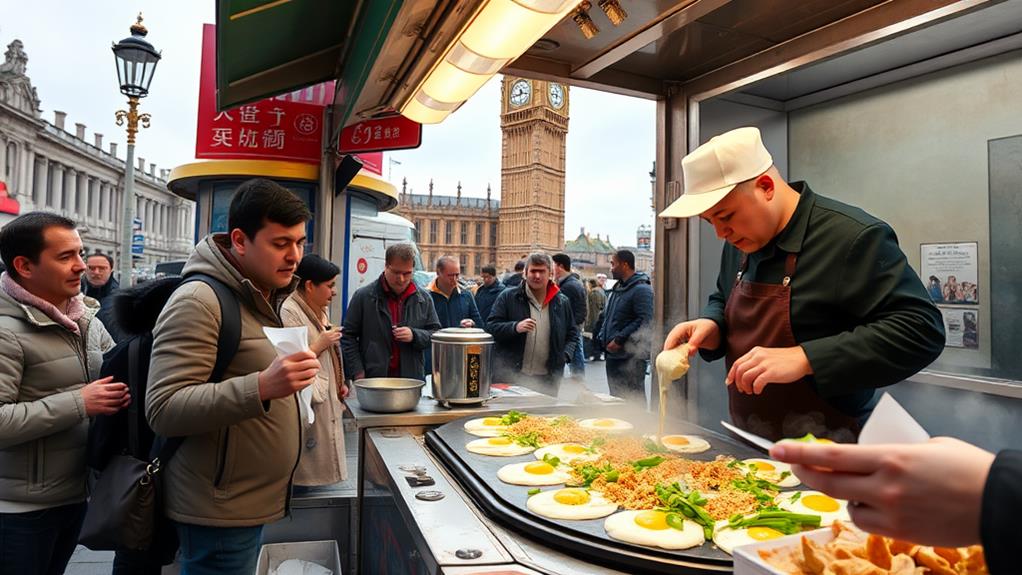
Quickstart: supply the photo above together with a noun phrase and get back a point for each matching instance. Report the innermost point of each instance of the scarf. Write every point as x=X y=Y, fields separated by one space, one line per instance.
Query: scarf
x=69 y=320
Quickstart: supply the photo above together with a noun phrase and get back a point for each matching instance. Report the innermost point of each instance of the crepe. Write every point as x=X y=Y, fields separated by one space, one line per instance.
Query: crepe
x=671 y=364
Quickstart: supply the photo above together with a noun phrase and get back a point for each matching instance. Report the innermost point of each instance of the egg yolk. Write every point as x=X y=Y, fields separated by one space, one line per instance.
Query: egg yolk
x=571 y=496
x=675 y=440
x=821 y=503
x=604 y=423
x=499 y=441
x=491 y=421
x=763 y=466
x=574 y=449
x=655 y=520
x=539 y=468
x=764 y=533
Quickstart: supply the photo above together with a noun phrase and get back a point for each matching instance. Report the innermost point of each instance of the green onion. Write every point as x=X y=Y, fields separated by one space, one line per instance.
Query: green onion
x=512 y=417
x=675 y=521
x=647 y=462
x=533 y=491
x=554 y=461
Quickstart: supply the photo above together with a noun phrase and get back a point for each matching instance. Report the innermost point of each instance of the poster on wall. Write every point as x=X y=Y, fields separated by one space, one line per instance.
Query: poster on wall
x=951 y=272
x=961 y=324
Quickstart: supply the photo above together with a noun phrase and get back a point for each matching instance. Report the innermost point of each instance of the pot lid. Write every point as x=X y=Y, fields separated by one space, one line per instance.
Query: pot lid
x=462 y=335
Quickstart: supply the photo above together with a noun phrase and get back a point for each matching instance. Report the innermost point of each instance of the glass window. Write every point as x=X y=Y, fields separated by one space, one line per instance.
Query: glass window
x=479 y=234
x=432 y=231
x=223 y=191
x=493 y=234
x=463 y=260
x=447 y=232
x=464 y=233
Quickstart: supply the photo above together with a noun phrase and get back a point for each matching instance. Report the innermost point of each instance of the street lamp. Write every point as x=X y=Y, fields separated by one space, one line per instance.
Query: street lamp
x=136 y=61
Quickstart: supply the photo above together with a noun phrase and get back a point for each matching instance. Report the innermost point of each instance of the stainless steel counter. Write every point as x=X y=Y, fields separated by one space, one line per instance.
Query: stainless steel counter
x=428 y=413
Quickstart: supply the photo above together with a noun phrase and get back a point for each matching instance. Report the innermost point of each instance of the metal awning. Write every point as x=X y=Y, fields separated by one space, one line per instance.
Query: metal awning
x=270 y=47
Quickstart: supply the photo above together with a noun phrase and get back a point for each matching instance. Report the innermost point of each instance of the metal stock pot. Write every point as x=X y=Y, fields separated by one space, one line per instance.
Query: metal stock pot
x=462 y=365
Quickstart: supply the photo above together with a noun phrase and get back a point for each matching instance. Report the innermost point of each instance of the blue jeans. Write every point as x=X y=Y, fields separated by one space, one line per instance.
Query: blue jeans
x=218 y=550
x=578 y=362
x=39 y=542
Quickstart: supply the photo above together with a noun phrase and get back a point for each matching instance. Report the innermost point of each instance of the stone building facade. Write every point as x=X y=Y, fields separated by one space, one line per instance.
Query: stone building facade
x=47 y=167
x=466 y=228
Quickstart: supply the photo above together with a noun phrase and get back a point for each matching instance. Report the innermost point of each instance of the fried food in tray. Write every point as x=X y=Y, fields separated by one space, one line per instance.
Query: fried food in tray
x=853 y=552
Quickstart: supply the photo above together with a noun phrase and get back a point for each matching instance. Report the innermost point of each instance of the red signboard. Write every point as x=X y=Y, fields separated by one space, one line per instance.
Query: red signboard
x=287 y=127
x=390 y=133
x=8 y=205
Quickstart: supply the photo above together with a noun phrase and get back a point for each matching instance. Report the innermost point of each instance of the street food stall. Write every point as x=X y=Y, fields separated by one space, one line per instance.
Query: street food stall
x=858 y=95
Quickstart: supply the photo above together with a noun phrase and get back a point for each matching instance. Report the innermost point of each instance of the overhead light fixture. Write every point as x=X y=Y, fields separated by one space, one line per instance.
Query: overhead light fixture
x=500 y=32
x=615 y=13
x=585 y=23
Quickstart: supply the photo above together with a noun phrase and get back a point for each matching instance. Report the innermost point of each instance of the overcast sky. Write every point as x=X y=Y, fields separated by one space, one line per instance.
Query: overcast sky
x=610 y=146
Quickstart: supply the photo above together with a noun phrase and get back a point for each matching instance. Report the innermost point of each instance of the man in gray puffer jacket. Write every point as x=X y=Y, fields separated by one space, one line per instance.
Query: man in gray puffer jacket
x=51 y=348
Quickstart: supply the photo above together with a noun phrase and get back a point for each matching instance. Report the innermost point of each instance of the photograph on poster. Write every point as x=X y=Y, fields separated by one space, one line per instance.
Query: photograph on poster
x=951 y=272
x=961 y=326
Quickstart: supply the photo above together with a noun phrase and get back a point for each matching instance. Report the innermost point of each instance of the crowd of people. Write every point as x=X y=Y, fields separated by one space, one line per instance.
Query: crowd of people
x=71 y=339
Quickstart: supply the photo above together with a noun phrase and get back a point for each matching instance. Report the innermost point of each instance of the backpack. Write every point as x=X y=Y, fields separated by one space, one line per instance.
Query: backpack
x=127 y=433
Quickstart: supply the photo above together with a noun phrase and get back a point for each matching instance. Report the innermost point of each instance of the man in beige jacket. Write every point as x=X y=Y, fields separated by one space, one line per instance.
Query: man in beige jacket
x=51 y=347
x=233 y=473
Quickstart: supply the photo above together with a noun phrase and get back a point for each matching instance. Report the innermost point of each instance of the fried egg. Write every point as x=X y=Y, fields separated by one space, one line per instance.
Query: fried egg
x=567 y=452
x=498 y=446
x=607 y=424
x=570 y=503
x=815 y=503
x=770 y=470
x=485 y=427
x=532 y=473
x=728 y=538
x=650 y=528
x=685 y=443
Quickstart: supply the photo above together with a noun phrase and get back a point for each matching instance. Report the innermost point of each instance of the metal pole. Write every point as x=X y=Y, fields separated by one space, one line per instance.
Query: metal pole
x=133 y=119
x=128 y=217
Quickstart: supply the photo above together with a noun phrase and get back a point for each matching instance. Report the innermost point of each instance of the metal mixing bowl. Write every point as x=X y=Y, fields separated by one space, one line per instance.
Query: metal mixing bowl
x=388 y=394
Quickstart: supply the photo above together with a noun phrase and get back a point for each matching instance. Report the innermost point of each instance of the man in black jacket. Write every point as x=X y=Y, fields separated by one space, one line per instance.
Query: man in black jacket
x=625 y=329
x=99 y=283
x=571 y=286
x=389 y=322
x=487 y=293
x=534 y=329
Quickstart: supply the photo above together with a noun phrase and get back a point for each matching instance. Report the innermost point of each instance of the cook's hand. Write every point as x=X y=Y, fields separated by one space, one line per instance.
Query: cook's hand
x=526 y=325
x=467 y=323
x=766 y=365
x=326 y=339
x=897 y=487
x=699 y=333
x=342 y=391
x=403 y=334
x=614 y=347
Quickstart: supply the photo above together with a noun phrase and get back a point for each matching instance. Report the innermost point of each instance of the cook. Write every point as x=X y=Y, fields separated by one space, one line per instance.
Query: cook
x=816 y=305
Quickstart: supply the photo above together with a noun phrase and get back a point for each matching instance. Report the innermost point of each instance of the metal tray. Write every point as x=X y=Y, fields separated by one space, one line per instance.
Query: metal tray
x=507 y=503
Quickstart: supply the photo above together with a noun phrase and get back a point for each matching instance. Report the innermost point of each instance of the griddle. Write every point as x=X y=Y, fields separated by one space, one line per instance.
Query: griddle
x=587 y=539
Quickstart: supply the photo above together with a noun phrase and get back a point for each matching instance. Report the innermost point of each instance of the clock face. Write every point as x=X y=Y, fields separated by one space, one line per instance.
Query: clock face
x=556 y=96
x=521 y=91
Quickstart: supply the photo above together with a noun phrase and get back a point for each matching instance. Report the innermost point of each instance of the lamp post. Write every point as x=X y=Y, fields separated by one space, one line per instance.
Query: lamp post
x=136 y=61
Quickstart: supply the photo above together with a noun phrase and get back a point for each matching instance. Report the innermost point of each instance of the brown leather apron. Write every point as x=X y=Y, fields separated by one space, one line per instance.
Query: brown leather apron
x=759 y=314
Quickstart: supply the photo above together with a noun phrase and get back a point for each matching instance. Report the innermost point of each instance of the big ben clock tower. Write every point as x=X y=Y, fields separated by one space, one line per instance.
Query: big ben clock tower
x=534 y=122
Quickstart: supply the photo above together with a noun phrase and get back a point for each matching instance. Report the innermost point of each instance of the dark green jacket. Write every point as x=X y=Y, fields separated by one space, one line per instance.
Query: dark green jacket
x=858 y=309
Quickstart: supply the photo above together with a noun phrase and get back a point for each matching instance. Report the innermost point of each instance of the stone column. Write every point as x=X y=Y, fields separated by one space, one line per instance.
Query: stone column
x=27 y=172
x=42 y=179
x=71 y=192
x=58 y=187
x=3 y=157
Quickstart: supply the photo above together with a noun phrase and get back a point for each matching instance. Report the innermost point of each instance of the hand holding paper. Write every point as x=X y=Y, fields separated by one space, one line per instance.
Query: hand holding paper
x=293 y=370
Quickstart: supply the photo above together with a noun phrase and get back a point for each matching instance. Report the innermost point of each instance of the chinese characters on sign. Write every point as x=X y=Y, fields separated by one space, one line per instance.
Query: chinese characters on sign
x=390 y=133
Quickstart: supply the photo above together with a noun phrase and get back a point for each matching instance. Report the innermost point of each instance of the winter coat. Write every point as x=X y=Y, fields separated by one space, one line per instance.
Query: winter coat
x=572 y=287
x=451 y=310
x=629 y=310
x=43 y=424
x=323 y=458
x=237 y=462
x=511 y=307
x=485 y=297
x=368 y=333
x=597 y=300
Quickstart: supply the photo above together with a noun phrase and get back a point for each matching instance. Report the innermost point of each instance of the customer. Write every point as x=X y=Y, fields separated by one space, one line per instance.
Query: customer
x=233 y=473
x=323 y=457
x=51 y=348
x=534 y=330
x=389 y=322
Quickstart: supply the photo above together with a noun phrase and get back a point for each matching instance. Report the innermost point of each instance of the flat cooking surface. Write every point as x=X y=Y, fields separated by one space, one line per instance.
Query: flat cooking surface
x=507 y=503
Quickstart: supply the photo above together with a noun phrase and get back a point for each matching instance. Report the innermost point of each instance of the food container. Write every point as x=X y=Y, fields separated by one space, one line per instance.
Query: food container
x=322 y=553
x=388 y=394
x=748 y=561
x=462 y=365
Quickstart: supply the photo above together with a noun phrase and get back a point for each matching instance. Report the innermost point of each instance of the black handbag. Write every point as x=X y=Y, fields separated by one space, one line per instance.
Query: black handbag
x=125 y=508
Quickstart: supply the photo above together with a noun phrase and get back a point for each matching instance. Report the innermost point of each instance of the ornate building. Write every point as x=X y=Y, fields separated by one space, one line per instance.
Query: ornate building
x=589 y=256
x=45 y=167
x=452 y=225
x=534 y=122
